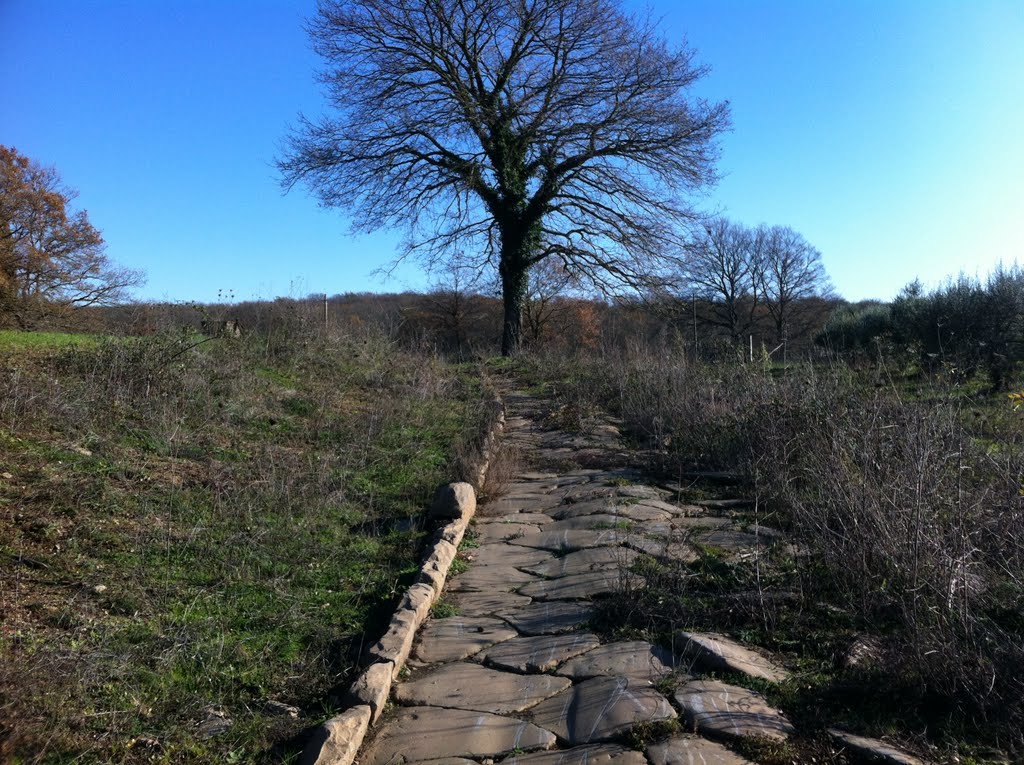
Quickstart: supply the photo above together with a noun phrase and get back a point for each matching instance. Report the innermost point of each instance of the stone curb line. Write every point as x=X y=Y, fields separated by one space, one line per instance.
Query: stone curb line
x=337 y=741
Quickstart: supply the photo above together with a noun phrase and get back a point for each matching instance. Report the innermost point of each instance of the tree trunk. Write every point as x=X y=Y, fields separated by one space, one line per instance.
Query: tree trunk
x=519 y=241
x=514 y=280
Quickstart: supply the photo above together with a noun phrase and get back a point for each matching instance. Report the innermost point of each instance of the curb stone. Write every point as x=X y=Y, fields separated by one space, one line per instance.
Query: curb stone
x=337 y=740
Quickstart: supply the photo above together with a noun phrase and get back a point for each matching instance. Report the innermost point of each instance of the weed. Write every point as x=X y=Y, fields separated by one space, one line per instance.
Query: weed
x=442 y=609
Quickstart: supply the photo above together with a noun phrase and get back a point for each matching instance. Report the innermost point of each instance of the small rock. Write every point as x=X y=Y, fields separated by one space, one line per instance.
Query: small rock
x=216 y=722
x=272 y=707
x=99 y=589
x=865 y=651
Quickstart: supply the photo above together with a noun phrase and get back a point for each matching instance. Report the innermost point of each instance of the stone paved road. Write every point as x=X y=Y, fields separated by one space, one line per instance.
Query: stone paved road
x=517 y=675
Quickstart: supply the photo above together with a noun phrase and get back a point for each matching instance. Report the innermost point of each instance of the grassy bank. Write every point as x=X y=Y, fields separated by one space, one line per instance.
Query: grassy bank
x=196 y=536
x=901 y=600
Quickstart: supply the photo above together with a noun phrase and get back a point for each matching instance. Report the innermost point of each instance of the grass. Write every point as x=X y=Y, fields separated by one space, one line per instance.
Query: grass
x=195 y=526
x=13 y=340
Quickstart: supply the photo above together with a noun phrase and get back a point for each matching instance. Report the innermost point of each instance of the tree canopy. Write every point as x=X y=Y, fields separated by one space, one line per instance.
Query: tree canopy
x=51 y=257
x=507 y=132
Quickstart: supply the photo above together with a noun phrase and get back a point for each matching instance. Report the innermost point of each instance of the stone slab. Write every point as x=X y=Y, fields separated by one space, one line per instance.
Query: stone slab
x=463 y=685
x=501 y=554
x=601 y=754
x=601 y=709
x=641 y=491
x=585 y=561
x=487 y=603
x=571 y=539
x=501 y=532
x=431 y=733
x=458 y=637
x=549 y=617
x=490 y=579
x=541 y=653
x=635 y=659
x=337 y=741
x=602 y=506
x=874 y=749
x=538 y=519
x=692 y=751
x=719 y=709
x=718 y=652
x=583 y=586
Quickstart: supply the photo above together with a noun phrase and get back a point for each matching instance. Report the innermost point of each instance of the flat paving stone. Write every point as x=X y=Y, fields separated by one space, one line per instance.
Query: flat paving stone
x=462 y=685
x=641 y=491
x=541 y=653
x=583 y=586
x=571 y=539
x=643 y=513
x=489 y=579
x=692 y=751
x=606 y=754
x=527 y=503
x=431 y=733
x=668 y=507
x=719 y=709
x=501 y=532
x=635 y=659
x=549 y=617
x=874 y=749
x=713 y=651
x=502 y=554
x=585 y=561
x=601 y=709
x=582 y=509
x=537 y=519
x=457 y=637
x=695 y=523
x=487 y=603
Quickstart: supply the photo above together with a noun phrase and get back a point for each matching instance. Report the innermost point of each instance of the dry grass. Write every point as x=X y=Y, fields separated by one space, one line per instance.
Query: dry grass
x=906 y=504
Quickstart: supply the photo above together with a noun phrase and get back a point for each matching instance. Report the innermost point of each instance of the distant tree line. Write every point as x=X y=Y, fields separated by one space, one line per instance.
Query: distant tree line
x=965 y=327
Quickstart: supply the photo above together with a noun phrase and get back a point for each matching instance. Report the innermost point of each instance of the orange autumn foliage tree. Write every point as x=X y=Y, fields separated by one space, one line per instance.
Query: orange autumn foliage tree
x=52 y=258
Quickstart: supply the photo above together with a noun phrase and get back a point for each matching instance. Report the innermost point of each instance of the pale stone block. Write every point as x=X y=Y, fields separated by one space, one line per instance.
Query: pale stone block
x=372 y=688
x=337 y=740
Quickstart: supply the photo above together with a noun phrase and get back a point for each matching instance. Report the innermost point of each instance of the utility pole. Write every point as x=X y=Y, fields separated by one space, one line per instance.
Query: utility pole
x=325 y=314
x=693 y=304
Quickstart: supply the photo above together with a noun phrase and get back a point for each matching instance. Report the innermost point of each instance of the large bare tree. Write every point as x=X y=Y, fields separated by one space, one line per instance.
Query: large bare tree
x=512 y=130
x=792 y=274
x=724 y=266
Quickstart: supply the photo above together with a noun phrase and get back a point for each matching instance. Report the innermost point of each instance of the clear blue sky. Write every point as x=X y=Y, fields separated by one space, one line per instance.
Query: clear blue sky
x=889 y=132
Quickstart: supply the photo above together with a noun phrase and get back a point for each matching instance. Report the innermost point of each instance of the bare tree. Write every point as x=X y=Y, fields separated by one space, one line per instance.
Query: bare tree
x=545 y=305
x=52 y=259
x=791 y=275
x=724 y=267
x=514 y=130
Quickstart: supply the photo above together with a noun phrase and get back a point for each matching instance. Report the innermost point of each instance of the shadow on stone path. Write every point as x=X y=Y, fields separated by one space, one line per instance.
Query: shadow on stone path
x=517 y=677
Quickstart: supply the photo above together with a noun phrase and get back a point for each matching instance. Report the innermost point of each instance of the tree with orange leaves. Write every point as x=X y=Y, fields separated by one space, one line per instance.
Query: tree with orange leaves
x=52 y=258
